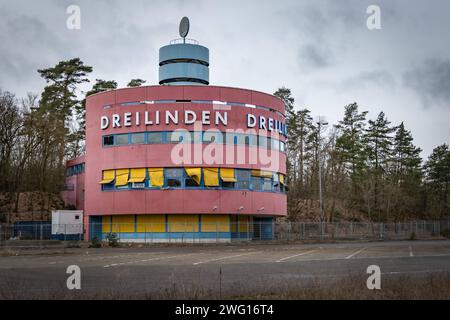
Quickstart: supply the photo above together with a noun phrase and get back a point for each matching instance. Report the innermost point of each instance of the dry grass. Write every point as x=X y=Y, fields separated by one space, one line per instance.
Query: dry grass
x=412 y=287
x=434 y=287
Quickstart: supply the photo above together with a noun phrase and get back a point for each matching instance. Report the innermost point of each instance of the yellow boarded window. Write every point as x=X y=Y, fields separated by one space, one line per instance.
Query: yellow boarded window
x=281 y=178
x=195 y=174
x=227 y=174
x=261 y=173
x=211 y=176
x=183 y=223
x=241 y=224
x=122 y=177
x=244 y=224
x=106 y=224
x=151 y=223
x=137 y=175
x=256 y=173
x=215 y=223
x=108 y=176
x=156 y=177
x=266 y=174
x=123 y=223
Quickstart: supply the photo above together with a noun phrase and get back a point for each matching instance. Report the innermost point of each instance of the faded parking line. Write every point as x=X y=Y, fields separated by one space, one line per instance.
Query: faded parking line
x=355 y=253
x=104 y=257
x=145 y=260
x=411 y=254
x=295 y=255
x=223 y=258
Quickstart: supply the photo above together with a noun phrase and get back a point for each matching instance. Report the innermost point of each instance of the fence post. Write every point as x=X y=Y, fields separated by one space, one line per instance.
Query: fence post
x=152 y=230
x=289 y=231
x=321 y=230
x=40 y=242
x=381 y=230
x=304 y=230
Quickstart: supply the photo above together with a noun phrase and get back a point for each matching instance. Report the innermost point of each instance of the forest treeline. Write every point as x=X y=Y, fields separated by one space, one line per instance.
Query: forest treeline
x=370 y=169
x=38 y=134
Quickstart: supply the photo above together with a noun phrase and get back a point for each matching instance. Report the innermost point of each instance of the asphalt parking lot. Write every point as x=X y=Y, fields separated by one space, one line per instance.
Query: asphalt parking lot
x=230 y=267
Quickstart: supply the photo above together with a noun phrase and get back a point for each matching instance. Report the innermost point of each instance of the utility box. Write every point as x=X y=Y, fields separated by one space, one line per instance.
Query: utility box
x=67 y=224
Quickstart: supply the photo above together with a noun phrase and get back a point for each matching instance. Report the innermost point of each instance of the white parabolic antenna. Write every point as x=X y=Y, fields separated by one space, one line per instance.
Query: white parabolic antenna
x=184 y=27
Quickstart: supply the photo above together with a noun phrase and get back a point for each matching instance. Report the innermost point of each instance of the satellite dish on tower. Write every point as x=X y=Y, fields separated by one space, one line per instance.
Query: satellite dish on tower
x=184 y=27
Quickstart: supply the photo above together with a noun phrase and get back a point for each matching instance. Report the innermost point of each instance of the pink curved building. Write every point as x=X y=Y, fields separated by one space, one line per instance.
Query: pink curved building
x=183 y=161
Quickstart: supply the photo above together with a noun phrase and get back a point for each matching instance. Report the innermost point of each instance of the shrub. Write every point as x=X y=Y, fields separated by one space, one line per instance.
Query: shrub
x=95 y=243
x=113 y=240
x=412 y=236
x=446 y=233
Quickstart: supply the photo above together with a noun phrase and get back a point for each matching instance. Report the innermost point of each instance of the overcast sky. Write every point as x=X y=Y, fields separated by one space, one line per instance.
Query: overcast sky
x=322 y=50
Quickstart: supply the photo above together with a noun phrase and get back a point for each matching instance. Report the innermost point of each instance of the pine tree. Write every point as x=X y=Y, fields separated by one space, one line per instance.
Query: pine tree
x=405 y=174
x=438 y=177
x=406 y=156
x=135 y=83
x=285 y=94
x=59 y=99
x=378 y=144
x=59 y=96
x=301 y=140
x=350 y=144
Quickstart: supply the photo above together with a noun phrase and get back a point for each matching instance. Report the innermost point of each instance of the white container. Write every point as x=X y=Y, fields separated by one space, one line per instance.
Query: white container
x=67 y=222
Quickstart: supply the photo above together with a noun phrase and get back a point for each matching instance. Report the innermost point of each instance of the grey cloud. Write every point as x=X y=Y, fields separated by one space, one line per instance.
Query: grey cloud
x=379 y=78
x=321 y=49
x=33 y=43
x=431 y=81
x=313 y=57
x=322 y=28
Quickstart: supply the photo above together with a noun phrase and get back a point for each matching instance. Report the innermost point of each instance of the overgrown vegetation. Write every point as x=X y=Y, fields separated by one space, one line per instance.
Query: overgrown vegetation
x=113 y=240
x=371 y=169
x=446 y=233
x=95 y=243
x=409 y=287
x=38 y=134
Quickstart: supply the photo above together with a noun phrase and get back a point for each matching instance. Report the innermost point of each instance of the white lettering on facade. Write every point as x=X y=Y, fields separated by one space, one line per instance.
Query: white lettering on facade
x=189 y=117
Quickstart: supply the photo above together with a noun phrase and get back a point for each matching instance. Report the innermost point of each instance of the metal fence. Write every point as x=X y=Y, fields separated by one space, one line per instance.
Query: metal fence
x=44 y=233
x=358 y=230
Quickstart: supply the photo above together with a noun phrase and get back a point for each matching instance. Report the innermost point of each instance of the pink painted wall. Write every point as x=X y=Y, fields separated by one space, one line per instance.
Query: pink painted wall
x=75 y=197
x=99 y=158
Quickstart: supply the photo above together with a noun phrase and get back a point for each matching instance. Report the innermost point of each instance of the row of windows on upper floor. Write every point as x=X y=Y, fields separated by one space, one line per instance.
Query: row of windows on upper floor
x=193 y=178
x=161 y=137
x=213 y=102
x=76 y=169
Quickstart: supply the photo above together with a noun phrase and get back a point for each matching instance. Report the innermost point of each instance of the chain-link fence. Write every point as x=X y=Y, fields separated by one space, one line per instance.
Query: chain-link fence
x=358 y=230
x=44 y=233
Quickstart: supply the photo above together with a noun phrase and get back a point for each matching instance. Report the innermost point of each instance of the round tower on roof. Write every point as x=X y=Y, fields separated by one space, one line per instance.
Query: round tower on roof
x=184 y=61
